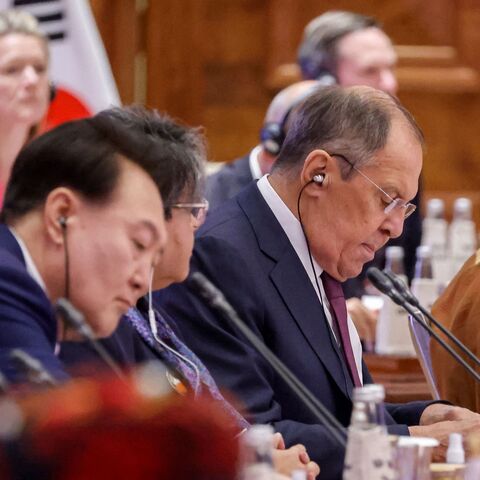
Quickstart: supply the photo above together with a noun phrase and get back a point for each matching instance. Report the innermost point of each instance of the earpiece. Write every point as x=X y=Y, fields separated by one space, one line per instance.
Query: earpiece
x=318 y=179
x=63 y=222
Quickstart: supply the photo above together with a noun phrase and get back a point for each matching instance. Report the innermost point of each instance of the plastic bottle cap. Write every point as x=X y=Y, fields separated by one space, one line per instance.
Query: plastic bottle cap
x=299 y=475
x=394 y=252
x=369 y=393
x=258 y=435
x=435 y=208
x=455 y=453
x=424 y=251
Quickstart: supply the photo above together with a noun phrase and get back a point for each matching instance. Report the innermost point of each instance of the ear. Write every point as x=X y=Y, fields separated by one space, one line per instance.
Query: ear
x=317 y=165
x=60 y=210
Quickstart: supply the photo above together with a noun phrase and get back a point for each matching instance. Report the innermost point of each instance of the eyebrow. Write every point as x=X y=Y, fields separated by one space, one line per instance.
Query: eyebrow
x=151 y=227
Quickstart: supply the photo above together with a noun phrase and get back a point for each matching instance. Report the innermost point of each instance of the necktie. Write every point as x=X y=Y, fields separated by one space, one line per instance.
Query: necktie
x=168 y=335
x=334 y=293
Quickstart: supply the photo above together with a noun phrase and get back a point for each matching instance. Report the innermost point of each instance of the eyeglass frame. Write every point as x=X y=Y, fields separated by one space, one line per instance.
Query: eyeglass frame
x=202 y=207
x=395 y=203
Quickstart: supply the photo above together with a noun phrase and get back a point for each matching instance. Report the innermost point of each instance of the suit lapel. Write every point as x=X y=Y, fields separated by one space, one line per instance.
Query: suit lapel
x=293 y=284
x=9 y=243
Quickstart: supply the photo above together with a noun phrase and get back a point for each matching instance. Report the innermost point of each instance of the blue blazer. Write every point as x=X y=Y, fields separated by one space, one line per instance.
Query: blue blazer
x=228 y=181
x=27 y=318
x=245 y=252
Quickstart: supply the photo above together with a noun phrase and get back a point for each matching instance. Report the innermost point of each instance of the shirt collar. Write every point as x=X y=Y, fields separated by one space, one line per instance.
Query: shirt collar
x=255 y=169
x=29 y=263
x=290 y=224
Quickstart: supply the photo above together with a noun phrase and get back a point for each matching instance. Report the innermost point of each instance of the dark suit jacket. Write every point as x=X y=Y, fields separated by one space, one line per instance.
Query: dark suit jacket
x=27 y=318
x=243 y=250
x=228 y=181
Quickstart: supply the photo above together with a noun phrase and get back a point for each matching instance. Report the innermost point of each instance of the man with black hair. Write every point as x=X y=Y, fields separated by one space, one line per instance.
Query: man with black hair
x=82 y=219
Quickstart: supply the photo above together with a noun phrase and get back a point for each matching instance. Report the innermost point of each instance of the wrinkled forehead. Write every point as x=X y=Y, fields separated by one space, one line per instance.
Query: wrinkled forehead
x=369 y=46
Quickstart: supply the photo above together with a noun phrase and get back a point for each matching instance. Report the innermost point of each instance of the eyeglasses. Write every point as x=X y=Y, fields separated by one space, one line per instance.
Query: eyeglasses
x=394 y=204
x=198 y=210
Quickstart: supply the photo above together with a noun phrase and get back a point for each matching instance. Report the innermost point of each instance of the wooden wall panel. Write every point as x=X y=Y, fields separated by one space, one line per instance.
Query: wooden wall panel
x=217 y=63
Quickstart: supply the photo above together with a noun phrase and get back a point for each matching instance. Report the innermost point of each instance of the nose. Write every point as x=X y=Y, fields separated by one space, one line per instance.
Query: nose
x=30 y=75
x=393 y=224
x=388 y=81
x=141 y=277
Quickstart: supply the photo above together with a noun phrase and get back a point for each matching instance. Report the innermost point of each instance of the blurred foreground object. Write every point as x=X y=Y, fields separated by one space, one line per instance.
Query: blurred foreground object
x=105 y=429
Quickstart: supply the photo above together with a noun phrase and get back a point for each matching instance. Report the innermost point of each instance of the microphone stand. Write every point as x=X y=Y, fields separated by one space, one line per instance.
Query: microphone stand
x=412 y=299
x=386 y=286
x=215 y=298
x=75 y=319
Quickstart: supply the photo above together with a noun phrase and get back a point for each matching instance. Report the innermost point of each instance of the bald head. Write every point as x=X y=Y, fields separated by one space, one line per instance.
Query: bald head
x=276 y=121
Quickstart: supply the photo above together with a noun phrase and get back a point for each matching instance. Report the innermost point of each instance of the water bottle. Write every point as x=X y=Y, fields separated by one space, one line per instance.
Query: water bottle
x=368 y=455
x=435 y=235
x=462 y=234
x=393 y=334
x=472 y=469
x=424 y=287
x=256 y=453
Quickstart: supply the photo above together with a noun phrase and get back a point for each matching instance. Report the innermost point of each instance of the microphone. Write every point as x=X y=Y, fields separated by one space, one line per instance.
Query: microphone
x=33 y=369
x=76 y=320
x=386 y=286
x=403 y=289
x=215 y=298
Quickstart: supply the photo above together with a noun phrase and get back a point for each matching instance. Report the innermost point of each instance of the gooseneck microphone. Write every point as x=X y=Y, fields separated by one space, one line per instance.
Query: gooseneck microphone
x=215 y=299
x=403 y=289
x=76 y=320
x=380 y=280
x=33 y=369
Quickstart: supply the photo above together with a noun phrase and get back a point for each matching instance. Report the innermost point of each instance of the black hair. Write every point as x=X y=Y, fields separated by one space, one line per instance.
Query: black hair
x=85 y=155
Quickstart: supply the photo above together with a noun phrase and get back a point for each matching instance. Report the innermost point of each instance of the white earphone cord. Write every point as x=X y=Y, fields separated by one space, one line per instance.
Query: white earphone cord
x=153 y=326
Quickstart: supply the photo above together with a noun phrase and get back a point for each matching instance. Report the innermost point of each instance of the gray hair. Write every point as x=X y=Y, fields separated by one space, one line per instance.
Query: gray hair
x=317 y=54
x=354 y=122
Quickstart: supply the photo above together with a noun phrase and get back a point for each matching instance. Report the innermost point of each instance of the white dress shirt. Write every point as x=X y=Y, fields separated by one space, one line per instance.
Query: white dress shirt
x=292 y=228
x=255 y=169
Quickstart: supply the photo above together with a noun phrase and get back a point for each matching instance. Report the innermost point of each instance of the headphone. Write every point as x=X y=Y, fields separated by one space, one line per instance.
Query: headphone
x=63 y=222
x=318 y=179
x=272 y=134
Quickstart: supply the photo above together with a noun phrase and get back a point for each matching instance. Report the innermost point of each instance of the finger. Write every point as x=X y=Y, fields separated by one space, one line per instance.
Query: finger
x=313 y=470
x=278 y=441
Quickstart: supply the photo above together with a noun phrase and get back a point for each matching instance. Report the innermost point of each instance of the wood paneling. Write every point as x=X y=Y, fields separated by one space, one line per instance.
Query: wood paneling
x=217 y=63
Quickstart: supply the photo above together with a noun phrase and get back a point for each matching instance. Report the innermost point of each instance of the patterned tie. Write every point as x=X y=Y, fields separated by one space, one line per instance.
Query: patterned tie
x=334 y=293
x=168 y=335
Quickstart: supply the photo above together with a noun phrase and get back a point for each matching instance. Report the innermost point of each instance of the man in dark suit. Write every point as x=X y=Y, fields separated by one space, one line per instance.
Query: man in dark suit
x=82 y=219
x=235 y=176
x=338 y=191
x=346 y=48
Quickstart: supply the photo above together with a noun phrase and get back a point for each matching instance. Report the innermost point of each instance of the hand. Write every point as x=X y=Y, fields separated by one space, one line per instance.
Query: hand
x=365 y=320
x=294 y=458
x=442 y=429
x=439 y=412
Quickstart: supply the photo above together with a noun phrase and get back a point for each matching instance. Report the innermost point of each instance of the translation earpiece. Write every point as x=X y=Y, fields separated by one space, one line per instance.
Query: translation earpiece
x=63 y=222
x=318 y=179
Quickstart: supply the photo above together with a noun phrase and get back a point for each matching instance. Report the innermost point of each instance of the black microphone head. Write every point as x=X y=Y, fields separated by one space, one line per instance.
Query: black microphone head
x=384 y=284
x=402 y=287
x=200 y=284
x=73 y=317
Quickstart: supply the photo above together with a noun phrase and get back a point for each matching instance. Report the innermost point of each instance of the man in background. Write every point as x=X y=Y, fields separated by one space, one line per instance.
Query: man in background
x=233 y=177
